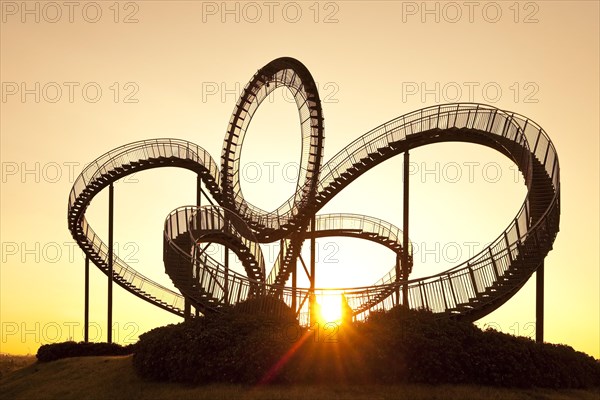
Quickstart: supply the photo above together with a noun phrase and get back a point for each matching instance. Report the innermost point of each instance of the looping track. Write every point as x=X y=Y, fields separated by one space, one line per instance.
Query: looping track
x=469 y=290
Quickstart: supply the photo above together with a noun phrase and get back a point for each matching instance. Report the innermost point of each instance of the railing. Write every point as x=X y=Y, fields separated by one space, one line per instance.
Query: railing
x=363 y=223
x=224 y=285
x=466 y=281
x=104 y=165
x=278 y=264
x=142 y=151
x=199 y=266
x=129 y=276
x=520 y=138
x=353 y=225
x=298 y=80
x=471 y=116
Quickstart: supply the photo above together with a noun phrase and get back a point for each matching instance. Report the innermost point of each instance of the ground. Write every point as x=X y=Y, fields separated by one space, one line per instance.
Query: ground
x=114 y=378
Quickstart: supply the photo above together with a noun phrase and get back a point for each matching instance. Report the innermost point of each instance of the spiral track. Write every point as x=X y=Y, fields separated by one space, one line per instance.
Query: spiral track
x=469 y=290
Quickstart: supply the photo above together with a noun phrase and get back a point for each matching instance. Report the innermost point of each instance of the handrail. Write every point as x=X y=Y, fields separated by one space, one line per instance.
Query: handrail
x=474 y=261
x=514 y=134
x=200 y=159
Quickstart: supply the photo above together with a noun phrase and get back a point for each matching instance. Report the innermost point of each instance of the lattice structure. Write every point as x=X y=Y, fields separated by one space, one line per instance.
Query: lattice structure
x=469 y=290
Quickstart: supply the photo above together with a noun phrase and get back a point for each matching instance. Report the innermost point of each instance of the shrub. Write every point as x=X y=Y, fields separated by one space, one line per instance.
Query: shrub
x=416 y=346
x=237 y=346
x=260 y=341
x=56 y=351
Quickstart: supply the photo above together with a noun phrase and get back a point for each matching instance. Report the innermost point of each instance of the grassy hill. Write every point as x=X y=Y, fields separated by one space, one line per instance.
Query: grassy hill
x=114 y=378
x=10 y=363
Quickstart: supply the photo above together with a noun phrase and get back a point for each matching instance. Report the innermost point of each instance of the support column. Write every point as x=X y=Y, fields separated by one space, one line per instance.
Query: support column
x=86 y=312
x=405 y=244
x=312 y=298
x=187 y=306
x=398 y=274
x=109 y=324
x=198 y=190
x=226 y=256
x=226 y=262
x=539 y=304
x=294 y=275
x=187 y=309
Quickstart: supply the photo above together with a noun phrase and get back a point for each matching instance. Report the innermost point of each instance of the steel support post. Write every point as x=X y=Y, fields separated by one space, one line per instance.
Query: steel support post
x=86 y=312
x=312 y=299
x=405 y=244
x=539 y=304
x=111 y=191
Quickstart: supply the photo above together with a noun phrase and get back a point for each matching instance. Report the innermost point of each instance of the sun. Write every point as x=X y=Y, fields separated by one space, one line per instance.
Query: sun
x=331 y=308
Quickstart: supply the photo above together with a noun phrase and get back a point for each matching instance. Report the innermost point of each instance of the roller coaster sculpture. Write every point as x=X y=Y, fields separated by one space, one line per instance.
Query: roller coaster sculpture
x=469 y=290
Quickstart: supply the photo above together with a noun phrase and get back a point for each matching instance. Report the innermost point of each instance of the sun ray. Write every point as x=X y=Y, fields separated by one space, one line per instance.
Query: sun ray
x=330 y=308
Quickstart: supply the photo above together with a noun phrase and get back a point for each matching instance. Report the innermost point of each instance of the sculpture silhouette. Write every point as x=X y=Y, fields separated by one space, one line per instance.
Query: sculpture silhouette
x=469 y=290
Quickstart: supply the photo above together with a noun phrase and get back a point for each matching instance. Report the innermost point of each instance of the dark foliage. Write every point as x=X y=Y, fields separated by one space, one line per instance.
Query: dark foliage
x=240 y=345
x=254 y=343
x=56 y=351
x=266 y=306
x=418 y=347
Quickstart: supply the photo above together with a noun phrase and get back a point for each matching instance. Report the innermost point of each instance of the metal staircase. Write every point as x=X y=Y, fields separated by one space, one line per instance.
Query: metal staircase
x=117 y=164
x=470 y=290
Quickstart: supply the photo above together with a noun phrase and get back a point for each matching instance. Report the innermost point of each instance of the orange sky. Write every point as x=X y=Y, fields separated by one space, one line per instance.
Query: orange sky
x=79 y=81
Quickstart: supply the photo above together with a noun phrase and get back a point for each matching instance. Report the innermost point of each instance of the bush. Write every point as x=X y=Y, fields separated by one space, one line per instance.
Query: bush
x=265 y=306
x=260 y=341
x=56 y=351
x=416 y=346
x=238 y=346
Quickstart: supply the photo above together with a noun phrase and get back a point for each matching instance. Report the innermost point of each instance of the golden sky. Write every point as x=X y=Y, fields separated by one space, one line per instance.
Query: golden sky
x=81 y=79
